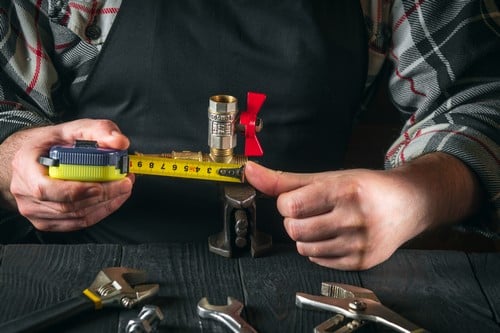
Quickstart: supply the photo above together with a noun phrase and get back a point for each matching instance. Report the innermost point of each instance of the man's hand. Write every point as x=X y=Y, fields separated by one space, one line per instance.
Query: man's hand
x=52 y=204
x=356 y=219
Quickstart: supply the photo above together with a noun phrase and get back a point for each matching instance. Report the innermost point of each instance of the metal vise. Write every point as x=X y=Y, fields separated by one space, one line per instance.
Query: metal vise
x=240 y=223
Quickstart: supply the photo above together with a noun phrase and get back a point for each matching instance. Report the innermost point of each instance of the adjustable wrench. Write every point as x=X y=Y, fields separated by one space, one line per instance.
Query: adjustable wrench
x=229 y=314
x=113 y=287
x=358 y=304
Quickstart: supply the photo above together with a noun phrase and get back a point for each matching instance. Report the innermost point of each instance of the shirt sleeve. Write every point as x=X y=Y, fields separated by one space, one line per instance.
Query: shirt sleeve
x=46 y=55
x=446 y=83
x=27 y=75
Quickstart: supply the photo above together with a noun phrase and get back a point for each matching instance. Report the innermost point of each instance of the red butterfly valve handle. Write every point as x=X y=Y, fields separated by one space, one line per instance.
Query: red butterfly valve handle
x=251 y=124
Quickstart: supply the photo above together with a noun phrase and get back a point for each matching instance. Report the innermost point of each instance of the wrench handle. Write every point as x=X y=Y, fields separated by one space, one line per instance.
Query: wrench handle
x=42 y=319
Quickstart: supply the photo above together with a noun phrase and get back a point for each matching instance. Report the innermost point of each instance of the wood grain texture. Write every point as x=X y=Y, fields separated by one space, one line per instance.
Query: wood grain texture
x=434 y=289
x=486 y=267
x=443 y=291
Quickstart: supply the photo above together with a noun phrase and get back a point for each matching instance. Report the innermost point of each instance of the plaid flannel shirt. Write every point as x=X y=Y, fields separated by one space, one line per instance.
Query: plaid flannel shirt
x=445 y=78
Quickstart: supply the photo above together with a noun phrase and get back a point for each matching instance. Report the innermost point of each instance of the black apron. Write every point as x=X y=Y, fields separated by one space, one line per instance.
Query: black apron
x=164 y=59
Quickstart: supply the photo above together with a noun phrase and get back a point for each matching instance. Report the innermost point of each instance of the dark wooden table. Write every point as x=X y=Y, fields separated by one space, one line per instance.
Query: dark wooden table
x=443 y=291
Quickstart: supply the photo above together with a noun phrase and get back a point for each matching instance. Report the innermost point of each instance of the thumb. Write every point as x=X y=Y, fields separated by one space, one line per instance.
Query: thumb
x=105 y=132
x=273 y=182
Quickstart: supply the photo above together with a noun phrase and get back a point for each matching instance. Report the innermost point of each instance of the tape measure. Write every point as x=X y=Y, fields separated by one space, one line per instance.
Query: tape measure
x=85 y=161
x=184 y=168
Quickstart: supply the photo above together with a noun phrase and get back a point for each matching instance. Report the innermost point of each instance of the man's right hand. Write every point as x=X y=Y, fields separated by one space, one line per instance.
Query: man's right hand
x=53 y=204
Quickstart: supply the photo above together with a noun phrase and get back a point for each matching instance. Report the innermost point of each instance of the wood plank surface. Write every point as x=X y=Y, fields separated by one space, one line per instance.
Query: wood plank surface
x=486 y=268
x=443 y=291
x=435 y=289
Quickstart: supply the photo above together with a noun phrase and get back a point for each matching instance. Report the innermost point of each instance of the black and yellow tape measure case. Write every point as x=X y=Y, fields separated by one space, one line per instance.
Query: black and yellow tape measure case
x=85 y=161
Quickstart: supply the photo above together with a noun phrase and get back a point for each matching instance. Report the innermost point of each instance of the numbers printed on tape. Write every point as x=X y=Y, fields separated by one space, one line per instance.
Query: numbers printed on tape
x=185 y=168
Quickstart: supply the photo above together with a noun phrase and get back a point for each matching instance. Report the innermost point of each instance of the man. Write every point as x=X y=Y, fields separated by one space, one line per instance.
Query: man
x=137 y=75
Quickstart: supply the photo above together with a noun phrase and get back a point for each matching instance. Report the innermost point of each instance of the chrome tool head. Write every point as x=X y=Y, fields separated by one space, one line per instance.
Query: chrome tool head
x=122 y=286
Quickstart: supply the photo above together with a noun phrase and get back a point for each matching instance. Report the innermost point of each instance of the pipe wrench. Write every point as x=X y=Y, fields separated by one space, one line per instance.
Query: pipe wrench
x=117 y=287
x=358 y=304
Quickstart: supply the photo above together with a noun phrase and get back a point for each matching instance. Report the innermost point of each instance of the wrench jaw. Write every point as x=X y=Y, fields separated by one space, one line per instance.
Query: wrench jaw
x=356 y=303
x=122 y=287
x=339 y=324
x=339 y=290
x=229 y=315
x=142 y=294
x=205 y=309
x=225 y=314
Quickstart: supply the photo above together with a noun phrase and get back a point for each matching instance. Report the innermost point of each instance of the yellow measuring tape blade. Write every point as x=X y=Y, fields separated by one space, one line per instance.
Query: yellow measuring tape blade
x=186 y=168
